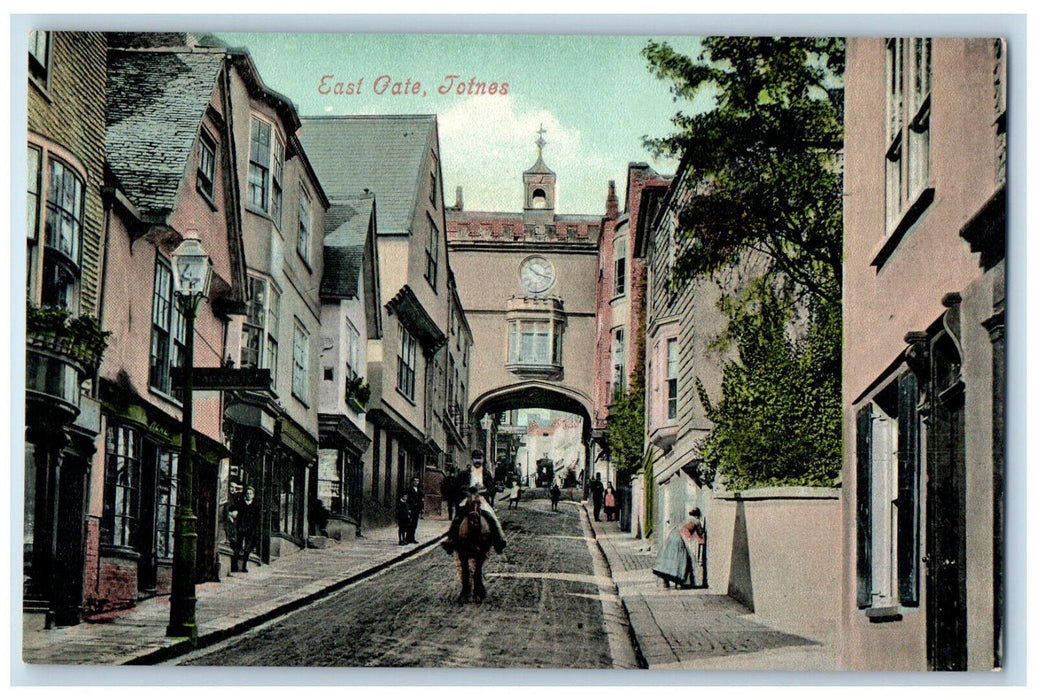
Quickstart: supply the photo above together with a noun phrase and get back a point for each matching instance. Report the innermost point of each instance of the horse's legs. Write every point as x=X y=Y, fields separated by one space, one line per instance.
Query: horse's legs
x=480 y=590
x=466 y=581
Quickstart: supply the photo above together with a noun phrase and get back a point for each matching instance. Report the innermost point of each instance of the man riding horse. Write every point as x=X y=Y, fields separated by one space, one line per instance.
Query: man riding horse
x=478 y=478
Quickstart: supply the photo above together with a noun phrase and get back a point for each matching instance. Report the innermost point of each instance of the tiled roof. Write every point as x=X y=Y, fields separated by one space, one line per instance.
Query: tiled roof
x=156 y=101
x=382 y=154
x=347 y=225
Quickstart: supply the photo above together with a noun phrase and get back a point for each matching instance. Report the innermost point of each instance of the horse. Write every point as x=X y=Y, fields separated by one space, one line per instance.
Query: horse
x=473 y=544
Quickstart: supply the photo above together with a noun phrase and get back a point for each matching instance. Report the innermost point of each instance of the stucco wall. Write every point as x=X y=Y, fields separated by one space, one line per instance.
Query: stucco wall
x=777 y=550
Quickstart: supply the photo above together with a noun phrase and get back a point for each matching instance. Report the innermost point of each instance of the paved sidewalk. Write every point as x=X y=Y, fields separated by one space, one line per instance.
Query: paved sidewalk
x=231 y=606
x=698 y=629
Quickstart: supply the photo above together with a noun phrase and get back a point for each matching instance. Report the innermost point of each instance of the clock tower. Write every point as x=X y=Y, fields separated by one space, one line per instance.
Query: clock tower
x=539 y=188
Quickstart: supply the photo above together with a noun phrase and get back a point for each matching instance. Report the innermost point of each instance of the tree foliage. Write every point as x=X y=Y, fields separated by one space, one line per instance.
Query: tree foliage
x=626 y=423
x=764 y=161
x=764 y=157
x=778 y=418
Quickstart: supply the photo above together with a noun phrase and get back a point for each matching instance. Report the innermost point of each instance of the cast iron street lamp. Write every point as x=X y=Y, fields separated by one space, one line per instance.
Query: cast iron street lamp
x=486 y=422
x=192 y=270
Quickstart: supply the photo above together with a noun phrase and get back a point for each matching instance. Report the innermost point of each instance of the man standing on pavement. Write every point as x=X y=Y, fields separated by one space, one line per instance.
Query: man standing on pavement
x=415 y=505
x=598 y=494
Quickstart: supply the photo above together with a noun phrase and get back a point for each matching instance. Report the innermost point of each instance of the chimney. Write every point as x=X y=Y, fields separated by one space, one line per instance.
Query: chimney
x=459 y=200
x=612 y=204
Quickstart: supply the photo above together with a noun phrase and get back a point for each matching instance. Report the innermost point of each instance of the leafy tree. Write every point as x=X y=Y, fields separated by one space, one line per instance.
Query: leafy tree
x=764 y=158
x=777 y=421
x=765 y=155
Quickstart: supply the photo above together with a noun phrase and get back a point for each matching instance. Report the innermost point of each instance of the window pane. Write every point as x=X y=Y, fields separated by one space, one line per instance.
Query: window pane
x=33 y=197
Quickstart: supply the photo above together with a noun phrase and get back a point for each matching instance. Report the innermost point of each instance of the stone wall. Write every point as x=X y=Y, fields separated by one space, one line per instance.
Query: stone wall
x=777 y=551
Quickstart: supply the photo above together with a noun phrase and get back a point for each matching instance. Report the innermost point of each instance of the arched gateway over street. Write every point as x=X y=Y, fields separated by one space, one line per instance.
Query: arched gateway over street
x=528 y=281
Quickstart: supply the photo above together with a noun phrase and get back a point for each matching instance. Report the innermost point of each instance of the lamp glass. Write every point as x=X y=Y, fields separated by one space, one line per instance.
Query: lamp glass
x=192 y=268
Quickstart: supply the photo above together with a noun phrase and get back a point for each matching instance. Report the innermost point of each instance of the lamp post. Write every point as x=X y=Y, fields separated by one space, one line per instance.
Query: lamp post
x=192 y=271
x=486 y=422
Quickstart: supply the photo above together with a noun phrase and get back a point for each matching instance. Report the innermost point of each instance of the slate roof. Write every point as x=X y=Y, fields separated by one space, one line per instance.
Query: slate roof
x=346 y=225
x=381 y=153
x=156 y=101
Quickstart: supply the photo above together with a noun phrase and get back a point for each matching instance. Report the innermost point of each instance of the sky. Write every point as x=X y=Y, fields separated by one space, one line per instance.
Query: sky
x=593 y=95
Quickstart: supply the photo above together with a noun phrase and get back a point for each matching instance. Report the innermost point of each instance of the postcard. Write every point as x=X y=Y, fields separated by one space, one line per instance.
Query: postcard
x=547 y=351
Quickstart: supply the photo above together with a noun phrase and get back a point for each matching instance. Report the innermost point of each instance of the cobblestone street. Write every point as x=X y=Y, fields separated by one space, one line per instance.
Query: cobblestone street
x=544 y=610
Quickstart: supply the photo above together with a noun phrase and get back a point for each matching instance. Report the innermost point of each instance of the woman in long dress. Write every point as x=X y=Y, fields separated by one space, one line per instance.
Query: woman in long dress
x=680 y=560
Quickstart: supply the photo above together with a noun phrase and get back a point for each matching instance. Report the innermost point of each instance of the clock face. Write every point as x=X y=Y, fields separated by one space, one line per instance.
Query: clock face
x=536 y=275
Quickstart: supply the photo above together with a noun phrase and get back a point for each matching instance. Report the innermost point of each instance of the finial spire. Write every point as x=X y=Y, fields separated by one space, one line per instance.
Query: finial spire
x=540 y=142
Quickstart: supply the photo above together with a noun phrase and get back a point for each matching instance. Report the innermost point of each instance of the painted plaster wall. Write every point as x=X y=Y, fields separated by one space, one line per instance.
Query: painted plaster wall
x=882 y=304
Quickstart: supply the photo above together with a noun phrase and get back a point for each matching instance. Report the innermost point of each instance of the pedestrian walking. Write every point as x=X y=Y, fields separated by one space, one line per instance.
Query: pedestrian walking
x=556 y=495
x=610 y=502
x=597 y=494
x=513 y=496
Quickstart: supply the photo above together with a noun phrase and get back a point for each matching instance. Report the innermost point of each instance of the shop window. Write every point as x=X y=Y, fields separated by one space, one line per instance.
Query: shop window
x=166 y=502
x=121 y=508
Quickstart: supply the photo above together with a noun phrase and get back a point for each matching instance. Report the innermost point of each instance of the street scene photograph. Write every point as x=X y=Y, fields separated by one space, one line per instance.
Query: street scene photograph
x=524 y=351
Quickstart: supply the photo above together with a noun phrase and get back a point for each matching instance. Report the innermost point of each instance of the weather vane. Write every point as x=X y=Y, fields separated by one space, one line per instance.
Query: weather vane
x=540 y=142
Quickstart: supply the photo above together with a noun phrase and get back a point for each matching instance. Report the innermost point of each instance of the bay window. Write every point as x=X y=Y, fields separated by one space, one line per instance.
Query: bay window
x=621 y=269
x=618 y=363
x=260 y=328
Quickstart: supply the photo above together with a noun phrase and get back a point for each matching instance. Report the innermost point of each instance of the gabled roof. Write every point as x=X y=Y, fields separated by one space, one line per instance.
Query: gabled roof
x=347 y=225
x=379 y=154
x=156 y=101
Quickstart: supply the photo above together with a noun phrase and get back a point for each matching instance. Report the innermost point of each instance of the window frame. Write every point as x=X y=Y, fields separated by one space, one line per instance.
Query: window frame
x=39 y=69
x=618 y=361
x=908 y=130
x=672 y=378
x=888 y=488
x=205 y=182
x=432 y=253
x=619 y=268
x=267 y=161
x=406 y=364
x=301 y=363
x=166 y=494
x=120 y=514
x=265 y=330
x=304 y=237
x=168 y=326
